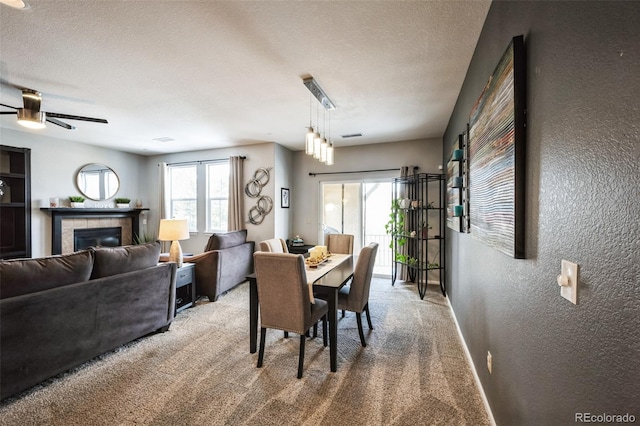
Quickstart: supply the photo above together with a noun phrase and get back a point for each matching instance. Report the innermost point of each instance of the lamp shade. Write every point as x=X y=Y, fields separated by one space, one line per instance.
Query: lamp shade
x=173 y=230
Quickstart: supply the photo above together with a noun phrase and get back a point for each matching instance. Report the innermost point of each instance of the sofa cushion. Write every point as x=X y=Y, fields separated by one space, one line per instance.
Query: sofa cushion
x=118 y=260
x=23 y=276
x=226 y=240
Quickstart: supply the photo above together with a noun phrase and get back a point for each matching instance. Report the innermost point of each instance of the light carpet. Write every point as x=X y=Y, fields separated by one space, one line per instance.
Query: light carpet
x=412 y=372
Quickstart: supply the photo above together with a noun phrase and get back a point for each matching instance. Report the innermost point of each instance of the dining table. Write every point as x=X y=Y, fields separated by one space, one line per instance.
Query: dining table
x=325 y=279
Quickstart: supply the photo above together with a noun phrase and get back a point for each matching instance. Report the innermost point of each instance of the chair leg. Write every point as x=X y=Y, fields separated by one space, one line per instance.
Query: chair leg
x=359 y=320
x=315 y=330
x=343 y=313
x=286 y=334
x=366 y=309
x=324 y=331
x=263 y=337
x=301 y=356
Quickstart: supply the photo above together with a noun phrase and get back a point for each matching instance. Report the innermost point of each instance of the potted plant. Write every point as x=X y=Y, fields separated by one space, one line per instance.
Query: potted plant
x=122 y=203
x=395 y=228
x=76 y=201
x=143 y=238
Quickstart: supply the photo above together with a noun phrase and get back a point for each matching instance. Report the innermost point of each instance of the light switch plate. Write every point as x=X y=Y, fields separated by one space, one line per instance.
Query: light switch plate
x=570 y=292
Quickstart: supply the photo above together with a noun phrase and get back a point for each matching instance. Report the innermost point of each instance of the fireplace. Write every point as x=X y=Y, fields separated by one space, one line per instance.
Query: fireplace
x=66 y=221
x=97 y=237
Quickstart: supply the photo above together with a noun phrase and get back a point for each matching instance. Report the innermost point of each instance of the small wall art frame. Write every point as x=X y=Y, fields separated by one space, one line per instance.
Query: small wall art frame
x=284 y=198
x=497 y=156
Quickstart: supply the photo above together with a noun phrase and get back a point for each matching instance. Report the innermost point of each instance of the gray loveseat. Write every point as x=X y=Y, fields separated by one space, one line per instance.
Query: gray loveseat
x=225 y=263
x=60 y=311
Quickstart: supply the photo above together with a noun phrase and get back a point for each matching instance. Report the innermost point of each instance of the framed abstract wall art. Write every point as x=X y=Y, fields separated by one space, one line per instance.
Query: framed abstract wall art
x=497 y=156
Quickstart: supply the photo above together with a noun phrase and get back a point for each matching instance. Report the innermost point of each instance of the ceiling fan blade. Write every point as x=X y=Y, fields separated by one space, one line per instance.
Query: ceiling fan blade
x=8 y=106
x=60 y=123
x=76 y=117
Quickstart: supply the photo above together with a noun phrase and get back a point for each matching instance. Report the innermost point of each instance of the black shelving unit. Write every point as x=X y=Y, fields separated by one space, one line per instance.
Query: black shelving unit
x=15 y=202
x=419 y=247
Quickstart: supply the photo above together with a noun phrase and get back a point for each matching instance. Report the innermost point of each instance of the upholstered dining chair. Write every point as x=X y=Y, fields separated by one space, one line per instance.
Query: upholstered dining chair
x=355 y=297
x=274 y=245
x=339 y=243
x=284 y=299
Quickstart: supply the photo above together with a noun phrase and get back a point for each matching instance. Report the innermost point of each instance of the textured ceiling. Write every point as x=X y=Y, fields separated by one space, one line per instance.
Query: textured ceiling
x=213 y=74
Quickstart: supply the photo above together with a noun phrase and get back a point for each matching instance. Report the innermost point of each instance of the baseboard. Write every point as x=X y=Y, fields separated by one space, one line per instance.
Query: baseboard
x=473 y=367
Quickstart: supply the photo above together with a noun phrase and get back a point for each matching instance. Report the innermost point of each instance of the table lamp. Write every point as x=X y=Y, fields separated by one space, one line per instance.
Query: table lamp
x=174 y=230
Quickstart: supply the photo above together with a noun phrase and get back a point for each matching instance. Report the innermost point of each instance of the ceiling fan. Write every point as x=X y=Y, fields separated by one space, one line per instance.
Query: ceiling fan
x=30 y=115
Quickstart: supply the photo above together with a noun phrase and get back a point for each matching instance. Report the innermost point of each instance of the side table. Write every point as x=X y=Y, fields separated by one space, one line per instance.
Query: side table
x=185 y=286
x=300 y=249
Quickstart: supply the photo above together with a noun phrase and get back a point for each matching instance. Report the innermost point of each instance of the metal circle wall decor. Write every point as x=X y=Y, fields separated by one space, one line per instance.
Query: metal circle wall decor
x=260 y=210
x=253 y=188
x=259 y=180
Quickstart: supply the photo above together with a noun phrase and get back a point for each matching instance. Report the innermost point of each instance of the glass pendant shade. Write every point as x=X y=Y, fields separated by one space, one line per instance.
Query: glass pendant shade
x=317 y=141
x=329 y=160
x=323 y=150
x=309 y=141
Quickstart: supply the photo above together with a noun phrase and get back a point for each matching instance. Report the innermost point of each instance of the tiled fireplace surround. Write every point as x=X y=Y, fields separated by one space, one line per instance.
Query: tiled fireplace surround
x=65 y=220
x=70 y=225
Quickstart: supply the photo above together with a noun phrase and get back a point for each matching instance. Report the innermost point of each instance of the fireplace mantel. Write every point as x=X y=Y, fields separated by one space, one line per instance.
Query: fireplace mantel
x=58 y=214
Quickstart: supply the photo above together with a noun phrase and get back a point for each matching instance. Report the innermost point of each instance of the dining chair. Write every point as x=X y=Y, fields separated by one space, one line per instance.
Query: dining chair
x=339 y=243
x=355 y=296
x=274 y=245
x=283 y=293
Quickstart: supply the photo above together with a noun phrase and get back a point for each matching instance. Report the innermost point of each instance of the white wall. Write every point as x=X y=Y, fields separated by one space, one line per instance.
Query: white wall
x=54 y=164
x=425 y=153
x=259 y=155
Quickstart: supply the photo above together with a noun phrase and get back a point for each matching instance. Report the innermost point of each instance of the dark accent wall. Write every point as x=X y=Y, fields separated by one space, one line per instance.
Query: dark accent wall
x=552 y=359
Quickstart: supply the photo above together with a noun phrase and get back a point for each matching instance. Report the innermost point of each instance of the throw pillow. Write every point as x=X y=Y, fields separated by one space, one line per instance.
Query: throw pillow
x=118 y=260
x=23 y=276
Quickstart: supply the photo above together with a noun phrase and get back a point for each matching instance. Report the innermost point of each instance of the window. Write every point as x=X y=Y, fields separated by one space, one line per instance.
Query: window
x=217 y=196
x=199 y=192
x=184 y=194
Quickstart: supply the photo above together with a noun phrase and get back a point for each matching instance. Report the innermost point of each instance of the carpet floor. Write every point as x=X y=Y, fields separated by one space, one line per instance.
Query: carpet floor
x=412 y=372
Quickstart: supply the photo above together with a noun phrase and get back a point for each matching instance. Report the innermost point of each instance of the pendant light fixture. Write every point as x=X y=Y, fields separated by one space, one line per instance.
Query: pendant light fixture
x=310 y=133
x=320 y=147
x=329 y=154
x=317 y=140
x=323 y=144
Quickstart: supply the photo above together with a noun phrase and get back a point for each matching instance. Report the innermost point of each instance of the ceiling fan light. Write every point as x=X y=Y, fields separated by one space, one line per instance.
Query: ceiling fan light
x=31 y=119
x=16 y=4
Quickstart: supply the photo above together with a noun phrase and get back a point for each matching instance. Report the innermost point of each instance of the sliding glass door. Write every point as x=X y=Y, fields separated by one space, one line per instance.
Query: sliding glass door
x=361 y=209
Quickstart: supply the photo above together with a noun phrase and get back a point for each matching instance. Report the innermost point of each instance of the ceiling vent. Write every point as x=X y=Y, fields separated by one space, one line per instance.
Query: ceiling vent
x=352 y=135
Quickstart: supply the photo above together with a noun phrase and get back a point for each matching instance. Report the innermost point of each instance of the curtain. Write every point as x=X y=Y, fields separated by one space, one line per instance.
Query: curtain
x=163 y=196
x=236 y=193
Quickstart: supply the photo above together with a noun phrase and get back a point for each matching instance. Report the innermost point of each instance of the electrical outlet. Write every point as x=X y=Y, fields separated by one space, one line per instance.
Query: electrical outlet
x=489 y=362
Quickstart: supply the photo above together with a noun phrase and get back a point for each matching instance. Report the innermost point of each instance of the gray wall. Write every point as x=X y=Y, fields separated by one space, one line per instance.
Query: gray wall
x=551 y=358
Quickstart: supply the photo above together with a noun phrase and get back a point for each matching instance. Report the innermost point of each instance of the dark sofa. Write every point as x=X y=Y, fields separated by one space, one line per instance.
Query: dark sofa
x=60 y=311
x=225 y=263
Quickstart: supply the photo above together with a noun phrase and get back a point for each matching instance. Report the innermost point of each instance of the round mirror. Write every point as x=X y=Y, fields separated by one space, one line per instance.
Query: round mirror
x=97 y=182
